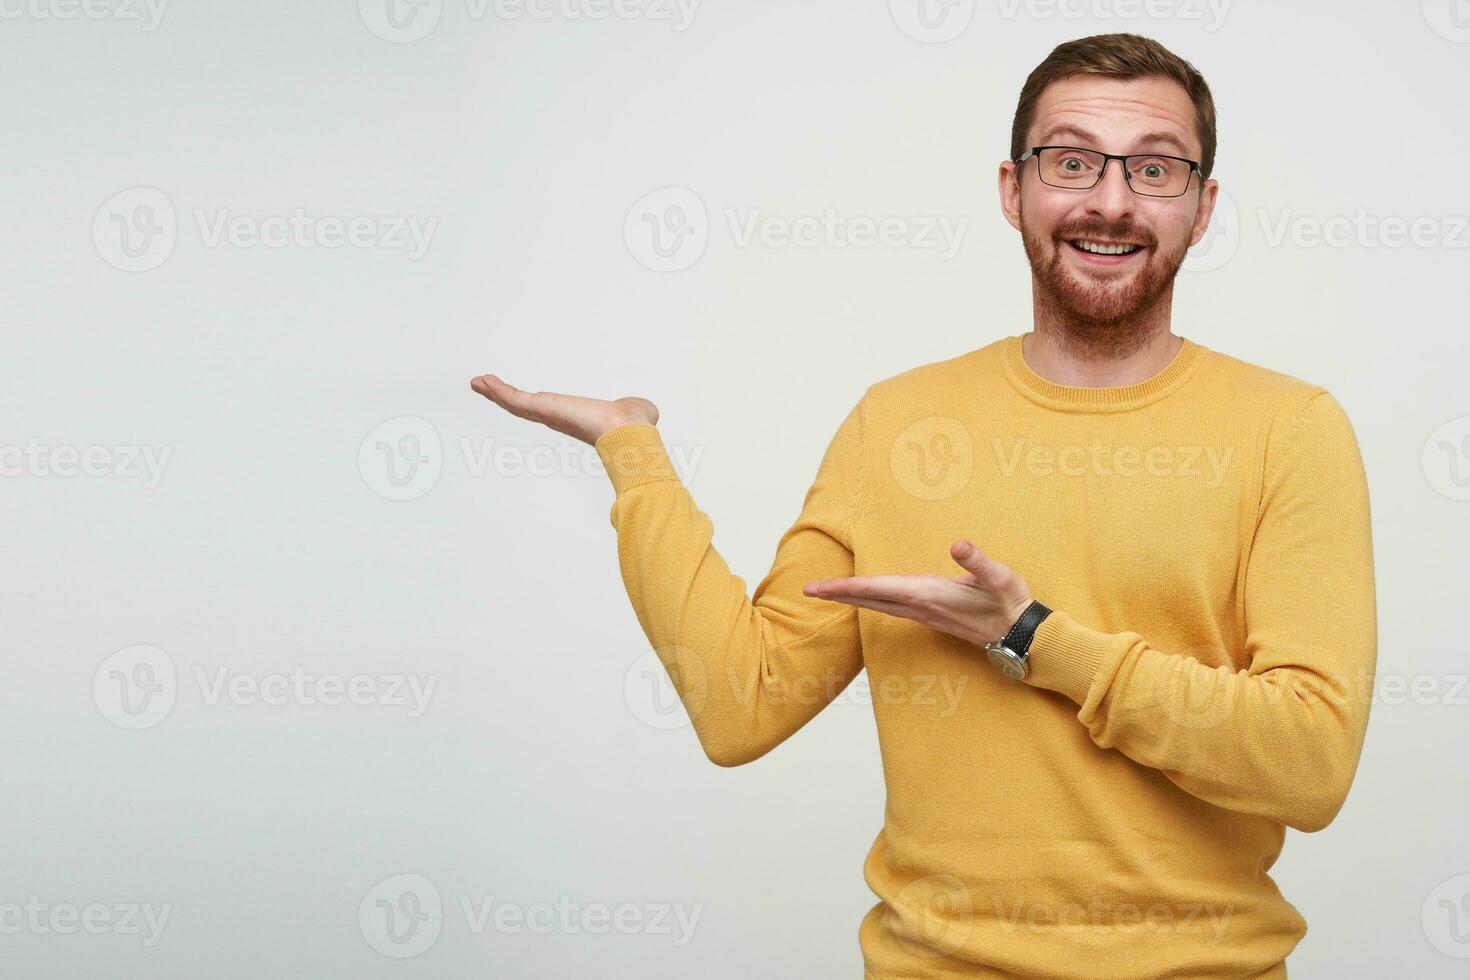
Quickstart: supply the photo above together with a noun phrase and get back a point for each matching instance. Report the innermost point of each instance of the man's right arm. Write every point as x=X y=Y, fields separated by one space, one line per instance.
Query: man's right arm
x=749 y=671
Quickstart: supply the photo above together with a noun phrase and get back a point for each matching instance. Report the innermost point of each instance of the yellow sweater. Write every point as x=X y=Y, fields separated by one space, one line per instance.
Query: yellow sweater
x=1202 y=683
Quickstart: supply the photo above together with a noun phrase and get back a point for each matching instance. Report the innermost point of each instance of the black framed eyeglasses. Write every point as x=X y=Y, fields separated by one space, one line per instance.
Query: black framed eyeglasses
x=1079 y=169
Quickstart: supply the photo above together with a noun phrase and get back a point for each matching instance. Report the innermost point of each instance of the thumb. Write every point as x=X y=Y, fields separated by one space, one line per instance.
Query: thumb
x=986 y=569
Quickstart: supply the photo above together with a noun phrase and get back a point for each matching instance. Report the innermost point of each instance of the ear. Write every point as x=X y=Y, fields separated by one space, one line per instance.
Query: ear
x=1010 y=193
x=1209 y=190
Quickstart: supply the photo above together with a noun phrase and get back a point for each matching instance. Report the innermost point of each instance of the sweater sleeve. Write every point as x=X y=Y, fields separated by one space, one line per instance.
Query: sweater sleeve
x=749 y=671
x=1282 y=737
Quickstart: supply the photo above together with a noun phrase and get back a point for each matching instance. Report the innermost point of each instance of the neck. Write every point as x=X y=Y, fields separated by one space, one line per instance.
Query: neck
x=1095 y=354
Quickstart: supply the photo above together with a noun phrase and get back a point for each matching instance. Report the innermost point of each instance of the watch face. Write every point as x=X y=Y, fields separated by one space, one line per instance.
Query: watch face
x=1007 y=661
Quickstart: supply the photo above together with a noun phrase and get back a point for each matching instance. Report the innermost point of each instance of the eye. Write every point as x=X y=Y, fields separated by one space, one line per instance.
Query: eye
x=1153 y=169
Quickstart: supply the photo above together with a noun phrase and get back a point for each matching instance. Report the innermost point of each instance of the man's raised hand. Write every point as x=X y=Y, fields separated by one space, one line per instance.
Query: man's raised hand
x=581 y=418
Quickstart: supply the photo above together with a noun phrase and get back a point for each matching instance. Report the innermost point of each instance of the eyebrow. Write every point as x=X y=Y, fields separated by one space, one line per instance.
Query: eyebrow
x=1066 y=129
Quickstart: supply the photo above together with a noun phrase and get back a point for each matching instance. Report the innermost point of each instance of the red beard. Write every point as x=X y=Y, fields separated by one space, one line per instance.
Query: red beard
x=1103 y=303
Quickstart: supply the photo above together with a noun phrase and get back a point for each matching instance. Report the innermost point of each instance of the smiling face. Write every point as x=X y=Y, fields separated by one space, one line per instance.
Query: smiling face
x=1063 y=229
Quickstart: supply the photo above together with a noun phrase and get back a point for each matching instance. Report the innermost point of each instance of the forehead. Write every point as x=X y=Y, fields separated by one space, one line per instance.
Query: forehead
x=1119 y=111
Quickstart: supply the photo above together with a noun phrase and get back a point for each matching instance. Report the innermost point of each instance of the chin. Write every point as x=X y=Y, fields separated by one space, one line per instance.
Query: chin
x=1104 y=300
x=1098 y=300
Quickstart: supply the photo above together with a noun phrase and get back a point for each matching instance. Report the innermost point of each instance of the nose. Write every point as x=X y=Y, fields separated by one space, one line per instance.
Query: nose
x=1111 y=199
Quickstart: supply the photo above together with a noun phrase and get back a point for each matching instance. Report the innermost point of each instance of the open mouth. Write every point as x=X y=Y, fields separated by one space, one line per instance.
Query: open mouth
x=1104 y=252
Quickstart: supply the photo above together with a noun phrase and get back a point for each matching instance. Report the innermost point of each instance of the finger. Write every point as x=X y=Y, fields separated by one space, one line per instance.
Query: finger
x=880 y=605
x=494 y=389
x=902 y=588
x=523 y=404
x=561 y=412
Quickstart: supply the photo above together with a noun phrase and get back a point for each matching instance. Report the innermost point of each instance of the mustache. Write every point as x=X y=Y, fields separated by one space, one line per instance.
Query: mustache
x=1123 y=232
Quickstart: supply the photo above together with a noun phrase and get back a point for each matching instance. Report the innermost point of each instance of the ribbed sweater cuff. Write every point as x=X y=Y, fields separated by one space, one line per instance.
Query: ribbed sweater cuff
x=633 y=455
x=1065 y=656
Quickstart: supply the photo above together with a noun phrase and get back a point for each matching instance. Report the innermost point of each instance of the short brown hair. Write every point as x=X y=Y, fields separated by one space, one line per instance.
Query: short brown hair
x=1120 y=56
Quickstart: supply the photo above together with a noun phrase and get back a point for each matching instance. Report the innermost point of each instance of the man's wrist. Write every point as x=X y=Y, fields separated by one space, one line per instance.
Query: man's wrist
x=1013 y=616
x=1011 y=653
x=1023 y=630
x=634 y=454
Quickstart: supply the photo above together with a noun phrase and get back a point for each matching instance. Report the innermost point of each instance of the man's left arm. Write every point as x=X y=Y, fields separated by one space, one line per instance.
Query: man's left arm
x=1282 y=737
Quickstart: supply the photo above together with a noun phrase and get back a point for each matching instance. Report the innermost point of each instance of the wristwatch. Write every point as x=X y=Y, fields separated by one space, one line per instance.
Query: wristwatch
x=1010 y=654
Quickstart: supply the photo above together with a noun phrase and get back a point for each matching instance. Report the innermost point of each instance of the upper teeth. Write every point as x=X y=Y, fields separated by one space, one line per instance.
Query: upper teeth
x=1103 y=249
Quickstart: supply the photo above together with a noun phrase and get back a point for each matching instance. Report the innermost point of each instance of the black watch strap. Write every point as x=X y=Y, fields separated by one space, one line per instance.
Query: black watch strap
x=1018 y=639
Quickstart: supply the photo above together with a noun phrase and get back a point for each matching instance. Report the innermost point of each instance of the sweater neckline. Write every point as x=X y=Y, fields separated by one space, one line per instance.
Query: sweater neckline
x=1109 y=398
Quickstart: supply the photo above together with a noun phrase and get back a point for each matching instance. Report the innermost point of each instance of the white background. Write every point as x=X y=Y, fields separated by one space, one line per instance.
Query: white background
x=540 y=769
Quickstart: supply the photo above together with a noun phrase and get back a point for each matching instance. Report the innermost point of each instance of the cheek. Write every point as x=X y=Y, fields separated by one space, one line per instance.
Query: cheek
x=1040 y=217
x=1174 y=226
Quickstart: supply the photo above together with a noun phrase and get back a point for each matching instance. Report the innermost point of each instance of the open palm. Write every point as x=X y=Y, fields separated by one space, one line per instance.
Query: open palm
x=581 y=418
